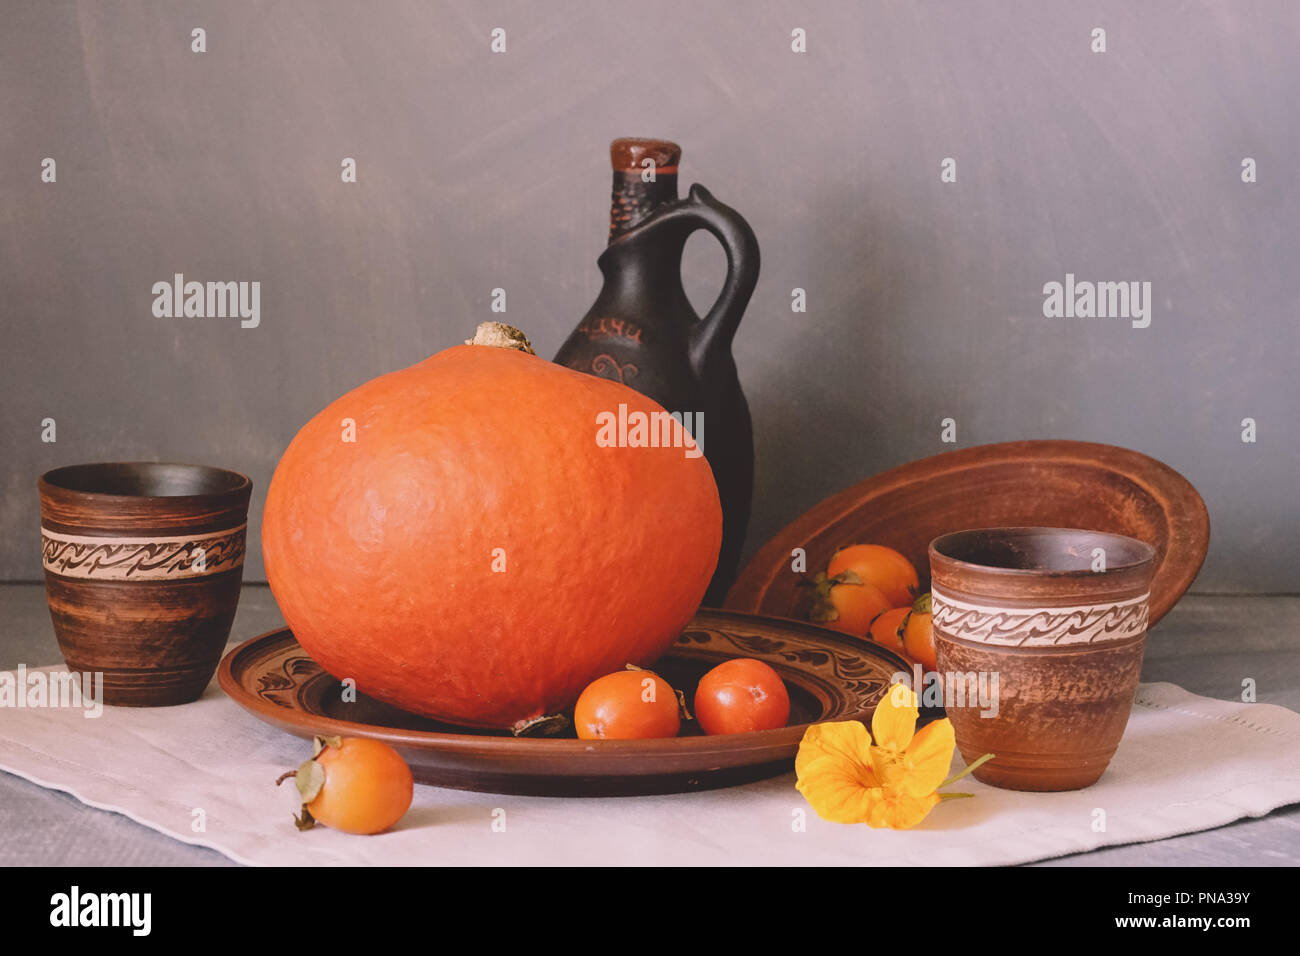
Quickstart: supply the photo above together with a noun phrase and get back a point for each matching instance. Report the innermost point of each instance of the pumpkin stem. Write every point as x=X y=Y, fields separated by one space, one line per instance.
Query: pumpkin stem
x=501 y=336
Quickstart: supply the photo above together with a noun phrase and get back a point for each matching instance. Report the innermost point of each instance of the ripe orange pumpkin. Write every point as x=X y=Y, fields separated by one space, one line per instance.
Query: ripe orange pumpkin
x=474 y=555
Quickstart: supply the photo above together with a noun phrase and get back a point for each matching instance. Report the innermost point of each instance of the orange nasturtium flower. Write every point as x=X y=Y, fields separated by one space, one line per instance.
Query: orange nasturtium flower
x=892 y=782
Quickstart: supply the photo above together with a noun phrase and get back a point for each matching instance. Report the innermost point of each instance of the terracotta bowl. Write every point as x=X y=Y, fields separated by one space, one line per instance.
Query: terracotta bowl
x=1060 y=484
x=143 y=564
x=1044 y=628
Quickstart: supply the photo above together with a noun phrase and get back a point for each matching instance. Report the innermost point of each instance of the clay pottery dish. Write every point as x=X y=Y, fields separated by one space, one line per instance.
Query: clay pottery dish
x=143 y=564
x=828 y=675
x=1056 y=484
x=1053 y=622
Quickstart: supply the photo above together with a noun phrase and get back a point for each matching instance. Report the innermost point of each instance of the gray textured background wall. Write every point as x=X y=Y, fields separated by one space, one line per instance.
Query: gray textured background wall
x=479 y=170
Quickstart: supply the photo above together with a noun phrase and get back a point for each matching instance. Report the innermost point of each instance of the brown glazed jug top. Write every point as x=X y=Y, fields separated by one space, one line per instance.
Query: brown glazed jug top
x=628 y=154
x=640 y=190
x=1051 y=565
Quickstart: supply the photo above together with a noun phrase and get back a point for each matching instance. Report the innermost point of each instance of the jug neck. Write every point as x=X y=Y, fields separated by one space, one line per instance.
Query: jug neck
x=643 y=275
x=645 y=178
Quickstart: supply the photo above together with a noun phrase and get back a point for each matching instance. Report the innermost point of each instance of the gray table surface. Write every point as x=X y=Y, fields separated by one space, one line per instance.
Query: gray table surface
x=1208 y=644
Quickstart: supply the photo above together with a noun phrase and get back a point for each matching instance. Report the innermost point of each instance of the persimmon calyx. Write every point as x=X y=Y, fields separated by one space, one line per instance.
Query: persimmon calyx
x=823 y=608
x=546 y=725
x=309 y=779
x=922 y=604
x=319 y=743
x=501 y=336
x=681 y=705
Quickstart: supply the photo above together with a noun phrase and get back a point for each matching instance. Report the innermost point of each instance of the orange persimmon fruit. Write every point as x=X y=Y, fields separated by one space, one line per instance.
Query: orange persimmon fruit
x=880 y=566
x=918 y=634
x=887 y=629
x=848 y=605
x=353 y=784
x=740 y=696
x=627 y=705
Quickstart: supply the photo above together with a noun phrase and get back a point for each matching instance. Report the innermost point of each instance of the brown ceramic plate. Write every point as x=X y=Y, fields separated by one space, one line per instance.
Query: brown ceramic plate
x=829 y=677
x=1052 y=484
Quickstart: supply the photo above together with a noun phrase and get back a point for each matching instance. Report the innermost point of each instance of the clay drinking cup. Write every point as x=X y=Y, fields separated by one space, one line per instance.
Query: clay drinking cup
x=1058 y=617
x=143 y=565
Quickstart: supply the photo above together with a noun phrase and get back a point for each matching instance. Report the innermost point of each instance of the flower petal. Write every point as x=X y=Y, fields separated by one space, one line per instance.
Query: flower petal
x=929 y=757
x=894 y=721
x=841 y=739
x=833 y=773
x=901 y=811
x=838 y=794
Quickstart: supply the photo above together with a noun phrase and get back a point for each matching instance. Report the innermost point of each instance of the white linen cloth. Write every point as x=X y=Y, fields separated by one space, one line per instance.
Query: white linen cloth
x=1187 y=763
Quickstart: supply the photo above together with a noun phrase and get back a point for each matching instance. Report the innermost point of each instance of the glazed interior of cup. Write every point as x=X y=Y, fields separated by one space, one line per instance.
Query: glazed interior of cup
x=1065 y=551
x=146 y=479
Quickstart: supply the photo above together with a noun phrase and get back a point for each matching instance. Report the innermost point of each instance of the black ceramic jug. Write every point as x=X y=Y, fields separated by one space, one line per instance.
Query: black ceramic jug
x=642 y=330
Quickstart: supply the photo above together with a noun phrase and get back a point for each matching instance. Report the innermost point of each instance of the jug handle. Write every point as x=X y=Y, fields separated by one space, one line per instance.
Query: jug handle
x=714 y=333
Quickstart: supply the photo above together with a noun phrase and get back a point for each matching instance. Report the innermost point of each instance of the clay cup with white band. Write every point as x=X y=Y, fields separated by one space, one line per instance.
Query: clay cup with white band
x=1060 y=617
x=143 y=564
